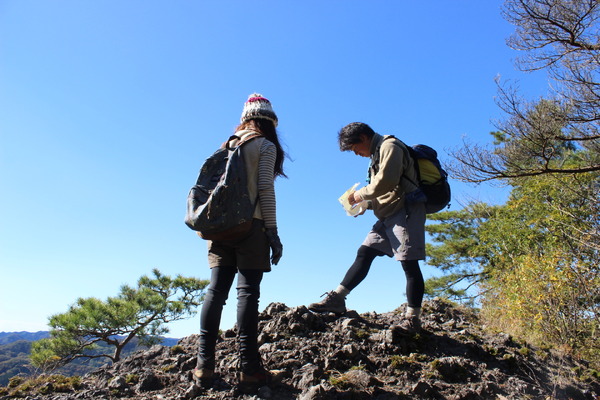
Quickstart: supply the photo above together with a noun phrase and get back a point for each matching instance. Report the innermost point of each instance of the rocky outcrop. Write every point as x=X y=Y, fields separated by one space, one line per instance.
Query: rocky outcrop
x=324 y=356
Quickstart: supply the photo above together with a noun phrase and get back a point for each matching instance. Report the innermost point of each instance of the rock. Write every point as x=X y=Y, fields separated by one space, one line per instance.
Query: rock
x=317 y=356
x=452 y=369
x=352 y=314
x=149 y=382
x=422 y=390
x=361 y=379
x=307 y=376
x=274 y=309
x=192 y=391
x=316 y=392
x=348 y=323
x=117 y=383
x=154 y=352
x=230 y=333
x=265 y=392
x=350 y=350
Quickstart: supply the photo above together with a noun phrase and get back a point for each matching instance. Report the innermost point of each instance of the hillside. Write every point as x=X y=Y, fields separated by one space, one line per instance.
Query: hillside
x=14 y=359
x=322 y=356
x=16 y=346
x=14 y=353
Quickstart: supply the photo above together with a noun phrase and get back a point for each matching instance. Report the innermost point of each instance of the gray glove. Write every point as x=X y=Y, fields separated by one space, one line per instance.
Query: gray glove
x=275 y=243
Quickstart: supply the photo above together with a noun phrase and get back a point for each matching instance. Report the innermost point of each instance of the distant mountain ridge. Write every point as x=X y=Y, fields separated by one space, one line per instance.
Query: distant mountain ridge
x=9 y=337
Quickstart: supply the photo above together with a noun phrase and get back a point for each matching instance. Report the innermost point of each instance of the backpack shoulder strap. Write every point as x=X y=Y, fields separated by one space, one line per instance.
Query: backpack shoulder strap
x=397 y=142
x=408 y=152
x=227 y=144
x=239 y=145
x=374 y=165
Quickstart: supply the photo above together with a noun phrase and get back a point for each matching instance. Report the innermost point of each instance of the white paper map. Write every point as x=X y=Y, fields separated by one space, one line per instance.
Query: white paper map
x=352 y=210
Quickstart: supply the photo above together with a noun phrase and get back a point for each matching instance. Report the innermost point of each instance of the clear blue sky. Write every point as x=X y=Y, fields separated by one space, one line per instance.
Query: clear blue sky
x=108 y=109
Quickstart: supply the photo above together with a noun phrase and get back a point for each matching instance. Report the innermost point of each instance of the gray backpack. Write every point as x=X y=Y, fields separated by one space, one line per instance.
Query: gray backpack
x=218 y=205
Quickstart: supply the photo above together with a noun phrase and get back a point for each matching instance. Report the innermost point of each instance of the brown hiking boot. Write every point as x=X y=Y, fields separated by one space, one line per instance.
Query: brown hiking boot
x=259 y=378
x=333 y=302
x=203 y=377
x=249 y=383
x=410 y=324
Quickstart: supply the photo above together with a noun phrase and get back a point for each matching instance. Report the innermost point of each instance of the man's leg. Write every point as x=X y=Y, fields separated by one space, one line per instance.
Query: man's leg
x=360 y=268
x=407 y=236
x=335 y=300
x=415 y=288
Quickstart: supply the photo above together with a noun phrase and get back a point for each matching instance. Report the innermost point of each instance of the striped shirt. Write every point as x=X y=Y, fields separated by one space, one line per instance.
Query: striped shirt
x=260 y=155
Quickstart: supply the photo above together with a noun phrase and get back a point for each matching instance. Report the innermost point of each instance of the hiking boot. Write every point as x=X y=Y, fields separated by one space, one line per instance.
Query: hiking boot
x=251 y=382
x=203 y=377
x=333 y=302
x=411 y=324
x=259 y=378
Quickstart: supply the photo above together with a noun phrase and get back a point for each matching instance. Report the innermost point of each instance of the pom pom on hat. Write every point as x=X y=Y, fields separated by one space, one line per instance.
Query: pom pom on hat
x=258 y=107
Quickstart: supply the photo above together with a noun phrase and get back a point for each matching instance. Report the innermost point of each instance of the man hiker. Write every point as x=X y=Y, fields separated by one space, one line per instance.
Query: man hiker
x=400 y=229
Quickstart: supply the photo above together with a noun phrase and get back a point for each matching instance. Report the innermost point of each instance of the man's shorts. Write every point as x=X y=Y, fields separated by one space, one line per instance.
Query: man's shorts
x=400 y=235
x=251 y=252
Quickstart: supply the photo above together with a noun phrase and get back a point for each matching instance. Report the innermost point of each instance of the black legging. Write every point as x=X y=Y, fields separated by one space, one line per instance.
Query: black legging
x=415 y=286
x=248 y=289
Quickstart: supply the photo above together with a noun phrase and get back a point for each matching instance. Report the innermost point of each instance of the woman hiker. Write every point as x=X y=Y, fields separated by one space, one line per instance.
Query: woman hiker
x=248 y=258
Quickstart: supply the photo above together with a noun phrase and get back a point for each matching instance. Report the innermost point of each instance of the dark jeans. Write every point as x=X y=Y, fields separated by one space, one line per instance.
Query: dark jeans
x=415 y=285
x=248 y=289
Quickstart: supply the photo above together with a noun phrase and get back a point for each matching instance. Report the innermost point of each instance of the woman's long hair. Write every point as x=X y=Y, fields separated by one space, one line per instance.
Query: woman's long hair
x=267 y=129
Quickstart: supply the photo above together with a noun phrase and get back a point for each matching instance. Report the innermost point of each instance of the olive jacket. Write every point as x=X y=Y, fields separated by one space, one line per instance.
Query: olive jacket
x=386 y=191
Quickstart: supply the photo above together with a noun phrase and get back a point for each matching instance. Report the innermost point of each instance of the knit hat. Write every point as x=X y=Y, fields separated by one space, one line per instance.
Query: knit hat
x=258 y=107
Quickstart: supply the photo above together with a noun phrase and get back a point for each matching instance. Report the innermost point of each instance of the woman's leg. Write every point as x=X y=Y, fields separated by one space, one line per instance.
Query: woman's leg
x=248 y=289
x=210 y=316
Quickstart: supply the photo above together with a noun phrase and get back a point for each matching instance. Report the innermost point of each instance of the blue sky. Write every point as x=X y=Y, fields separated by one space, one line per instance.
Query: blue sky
x=108 y=109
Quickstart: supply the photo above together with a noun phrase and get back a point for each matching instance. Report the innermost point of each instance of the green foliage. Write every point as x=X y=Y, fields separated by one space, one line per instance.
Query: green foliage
x=525 y=351
x=535 y=260
x=401 y=362
x=587 y=374
x=177 y=349
x=132 y=379
x=44 y=384
x=542 y=277
x=362 y=334
x=169 y=368
x=15 y=382
x=48 y=354
x=493 y=350
x=137 y=312
x=339 y=380
x=457 y=251
x=547 y=286
x=396 y=362
x=539 y=254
